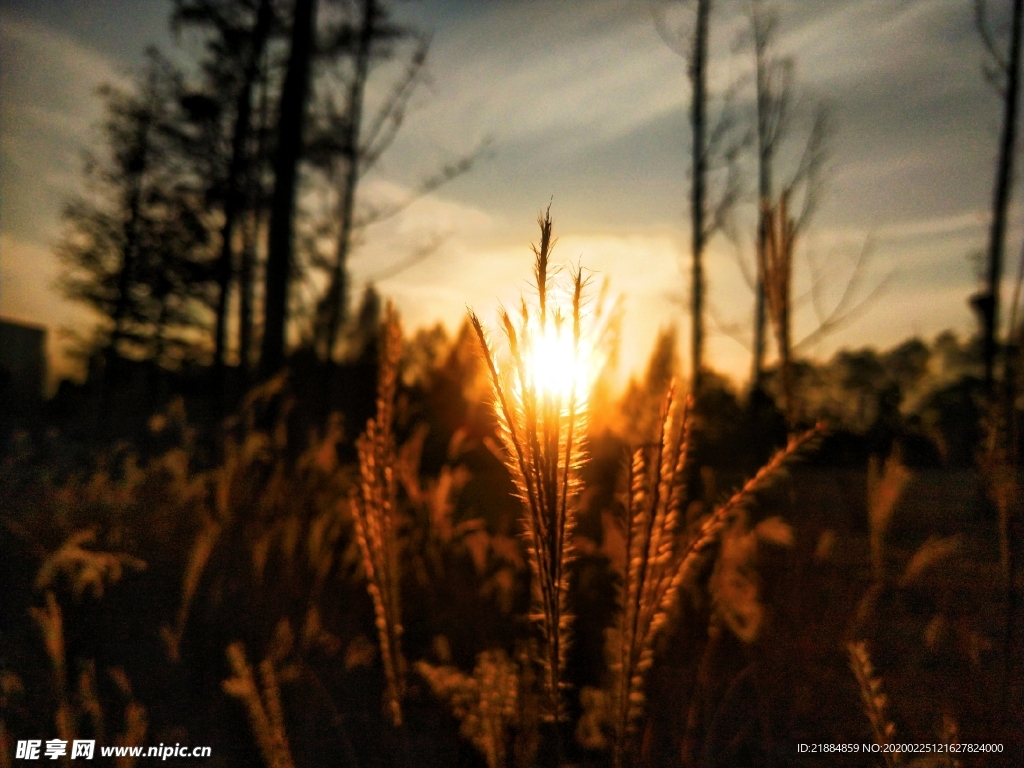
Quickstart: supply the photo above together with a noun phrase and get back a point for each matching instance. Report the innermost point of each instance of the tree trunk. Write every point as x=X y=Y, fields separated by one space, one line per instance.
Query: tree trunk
x=1001 y=199
x=698 y=119
x=291 y=118
x=764 y=188
x=351 y=151
x=136 y=169
x=257 y=206
x=233 y=196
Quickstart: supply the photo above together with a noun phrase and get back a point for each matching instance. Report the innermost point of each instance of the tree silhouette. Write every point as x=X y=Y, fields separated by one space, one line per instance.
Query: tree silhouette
x=1003 y=72
x=136 y=247
x=347 y=140
x=223 y=108
x=714 y=147
x=291 y=122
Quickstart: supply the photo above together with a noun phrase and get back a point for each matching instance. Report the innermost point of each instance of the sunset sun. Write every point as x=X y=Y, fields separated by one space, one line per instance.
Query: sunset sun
x=557 y=366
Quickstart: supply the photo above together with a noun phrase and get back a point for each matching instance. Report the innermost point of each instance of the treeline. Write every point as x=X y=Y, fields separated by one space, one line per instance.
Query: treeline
x=222 y=211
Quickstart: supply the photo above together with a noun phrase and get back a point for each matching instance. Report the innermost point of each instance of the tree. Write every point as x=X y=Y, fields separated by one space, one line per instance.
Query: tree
x=135 y=248
x=776 y=125
x=773 y=79
x=291 y=121
x=348 y=140
x=241 y=32
x=711 y=150
x=347 y=153
x=1003 y=72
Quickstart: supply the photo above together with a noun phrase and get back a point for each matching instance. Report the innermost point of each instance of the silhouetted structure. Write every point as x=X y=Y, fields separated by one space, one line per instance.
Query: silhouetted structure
x=22 y=363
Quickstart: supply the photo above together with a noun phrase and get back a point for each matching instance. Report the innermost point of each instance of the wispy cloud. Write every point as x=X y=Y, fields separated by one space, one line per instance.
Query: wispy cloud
x=50 y=110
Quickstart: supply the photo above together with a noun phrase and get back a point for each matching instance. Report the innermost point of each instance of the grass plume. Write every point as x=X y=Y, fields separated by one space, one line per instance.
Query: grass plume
x=542 y=423
x=659 y=561
x=485 y=703
x=652 y=577
x=874 y=700
x=263 y=707
x=375 y=514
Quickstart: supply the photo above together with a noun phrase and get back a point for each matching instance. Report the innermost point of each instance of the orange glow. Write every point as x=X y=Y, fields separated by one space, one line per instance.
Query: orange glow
x=556 y=366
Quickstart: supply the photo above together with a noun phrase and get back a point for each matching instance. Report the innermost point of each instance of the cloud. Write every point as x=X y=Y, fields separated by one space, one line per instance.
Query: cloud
x=50 y=110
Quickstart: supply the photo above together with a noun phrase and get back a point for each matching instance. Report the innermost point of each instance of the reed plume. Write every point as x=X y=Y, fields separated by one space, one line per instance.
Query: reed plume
x=652 y=576
x=486 y=703
x=263 y=707
x=885 y=489
x=874 y=700
x=375 y=514
x=542 y=422
x=659 y=561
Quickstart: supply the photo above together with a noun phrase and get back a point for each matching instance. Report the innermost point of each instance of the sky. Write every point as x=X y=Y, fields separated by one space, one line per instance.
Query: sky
x=585 y=107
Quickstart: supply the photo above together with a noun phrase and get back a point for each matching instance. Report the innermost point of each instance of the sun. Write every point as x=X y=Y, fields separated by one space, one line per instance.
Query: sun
x=557 y=365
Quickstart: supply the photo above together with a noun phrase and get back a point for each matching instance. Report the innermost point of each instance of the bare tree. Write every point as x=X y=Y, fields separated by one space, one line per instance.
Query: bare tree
x=773 y=83
x=135 y=248
x=291 y=120
x=239 y=45
x=1003 y=72
x=372 y=30
x=349 y=141
x=713 y=148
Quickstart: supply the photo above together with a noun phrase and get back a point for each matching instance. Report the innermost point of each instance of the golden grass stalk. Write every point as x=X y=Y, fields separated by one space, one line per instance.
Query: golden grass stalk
x=874 y=700
x=264 y=708
x=136 y=724
x=202 y=548
x=51 y=624
x=89 y=702
x=486 y=703
x=652 y=577
x=659 y=562
x=543 y=426
x=86 y=569
x=375 y=515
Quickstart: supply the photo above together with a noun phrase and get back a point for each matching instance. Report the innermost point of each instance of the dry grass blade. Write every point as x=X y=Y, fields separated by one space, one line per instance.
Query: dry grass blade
x=795 y=451
x=85 y=568
x=51 y=624
x=874 y=701
x=541 y=408
x=375 y=516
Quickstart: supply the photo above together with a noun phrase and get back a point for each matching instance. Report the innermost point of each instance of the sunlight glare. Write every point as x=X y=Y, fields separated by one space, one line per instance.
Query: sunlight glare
x=554 y=366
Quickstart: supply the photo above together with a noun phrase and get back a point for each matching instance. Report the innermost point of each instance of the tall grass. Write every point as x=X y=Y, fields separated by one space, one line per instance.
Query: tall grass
x=543 y=426
x=375 y=514
x=874 y=701
x=266 y=716
x=486 y=703
x=657 y=488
